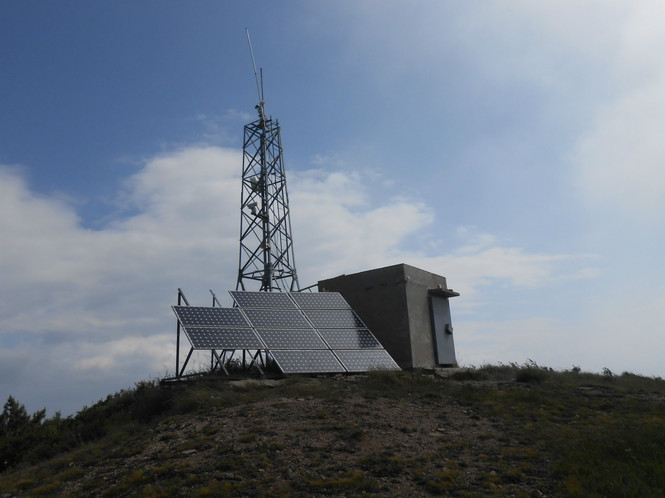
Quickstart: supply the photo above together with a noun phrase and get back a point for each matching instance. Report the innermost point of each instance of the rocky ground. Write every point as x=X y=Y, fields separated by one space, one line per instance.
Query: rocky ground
x=505 y=431
x=304 y=444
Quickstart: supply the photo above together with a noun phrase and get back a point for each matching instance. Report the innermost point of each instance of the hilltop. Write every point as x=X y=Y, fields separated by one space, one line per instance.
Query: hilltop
x=520 y=430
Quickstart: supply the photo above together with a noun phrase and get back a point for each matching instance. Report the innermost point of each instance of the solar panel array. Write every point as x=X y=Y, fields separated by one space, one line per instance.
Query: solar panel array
x=303 y=332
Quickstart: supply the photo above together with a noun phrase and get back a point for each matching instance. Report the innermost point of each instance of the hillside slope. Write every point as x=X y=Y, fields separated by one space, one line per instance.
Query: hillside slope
x=497 y=430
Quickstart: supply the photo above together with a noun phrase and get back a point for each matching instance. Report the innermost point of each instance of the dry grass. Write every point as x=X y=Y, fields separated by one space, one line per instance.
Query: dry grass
x=495 y=430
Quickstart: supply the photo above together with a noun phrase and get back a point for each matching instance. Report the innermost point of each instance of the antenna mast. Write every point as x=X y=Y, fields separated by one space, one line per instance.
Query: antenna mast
x=266 y=245
x=259 y=89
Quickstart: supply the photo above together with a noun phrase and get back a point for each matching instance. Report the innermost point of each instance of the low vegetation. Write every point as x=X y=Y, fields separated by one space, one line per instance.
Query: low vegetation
x=522 y=430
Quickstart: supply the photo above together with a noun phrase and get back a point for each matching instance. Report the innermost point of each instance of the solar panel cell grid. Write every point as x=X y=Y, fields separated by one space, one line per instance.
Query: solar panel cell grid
x=277 y=319
x=272 y=300
x=282 y=324
x=350 y=338
x=227 y=338
x=200 y=316
x=320 y=300
x=291 y=339
x=300 y=361
x=334 y=319
x=366 y=360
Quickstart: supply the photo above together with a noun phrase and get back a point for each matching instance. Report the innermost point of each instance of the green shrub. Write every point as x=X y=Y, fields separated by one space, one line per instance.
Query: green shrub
x=150 y=400
x=530 y=375
x=20 y=433
x=530 y=372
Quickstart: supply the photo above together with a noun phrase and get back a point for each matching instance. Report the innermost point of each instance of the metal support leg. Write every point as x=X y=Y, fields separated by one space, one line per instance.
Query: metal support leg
x=179 y=374
x=221 y=363
x=257 y=355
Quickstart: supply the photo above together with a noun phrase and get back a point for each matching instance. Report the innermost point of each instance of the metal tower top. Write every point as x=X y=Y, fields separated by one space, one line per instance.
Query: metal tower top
x=266 y=244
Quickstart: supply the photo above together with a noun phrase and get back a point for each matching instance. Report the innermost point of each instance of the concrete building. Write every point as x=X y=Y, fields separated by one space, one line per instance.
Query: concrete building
x=406 y=308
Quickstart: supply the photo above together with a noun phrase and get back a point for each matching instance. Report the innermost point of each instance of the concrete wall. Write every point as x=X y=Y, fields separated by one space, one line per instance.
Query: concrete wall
x=394 y=302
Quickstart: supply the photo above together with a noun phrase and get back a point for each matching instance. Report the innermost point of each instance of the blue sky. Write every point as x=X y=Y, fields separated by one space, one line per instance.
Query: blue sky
x=512 y=147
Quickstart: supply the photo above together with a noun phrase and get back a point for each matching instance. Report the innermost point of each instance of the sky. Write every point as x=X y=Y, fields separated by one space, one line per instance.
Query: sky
x=513 y=147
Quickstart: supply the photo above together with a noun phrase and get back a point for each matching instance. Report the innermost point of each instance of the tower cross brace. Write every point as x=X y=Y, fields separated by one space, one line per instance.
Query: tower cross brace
x=266 y=244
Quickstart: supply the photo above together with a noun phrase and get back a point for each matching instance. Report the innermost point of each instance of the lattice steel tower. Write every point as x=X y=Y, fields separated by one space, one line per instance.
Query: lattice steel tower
x=266 y=244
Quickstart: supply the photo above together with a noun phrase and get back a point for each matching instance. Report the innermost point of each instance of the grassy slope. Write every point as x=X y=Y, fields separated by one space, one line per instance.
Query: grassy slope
x=521 y=430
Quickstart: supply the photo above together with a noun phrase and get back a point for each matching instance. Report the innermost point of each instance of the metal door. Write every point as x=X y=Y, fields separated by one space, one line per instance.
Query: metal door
x=442 y=327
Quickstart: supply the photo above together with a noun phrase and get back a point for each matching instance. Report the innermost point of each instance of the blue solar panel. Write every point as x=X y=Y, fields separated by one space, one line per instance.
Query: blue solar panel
x=303 y=332
x=334 y=319
x=320 y=300
x=268 y=300
x=204 y=316
x=350 y=339
x=301 y=361
x=291 y=339
x=226 y=338
x=277 y=319
x=366 y=360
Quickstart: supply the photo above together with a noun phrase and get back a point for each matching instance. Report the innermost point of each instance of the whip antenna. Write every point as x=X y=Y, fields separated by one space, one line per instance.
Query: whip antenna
x=259 y=88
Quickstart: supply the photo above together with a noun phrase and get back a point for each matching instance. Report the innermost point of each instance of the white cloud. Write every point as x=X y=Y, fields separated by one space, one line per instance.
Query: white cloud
x=619 y=159
x=98 y=301
x=155 y=352
x=481 y=261
x=617 y=332
x=543 y=45
x=56 y=270
x=541 y=339
x=337 y=231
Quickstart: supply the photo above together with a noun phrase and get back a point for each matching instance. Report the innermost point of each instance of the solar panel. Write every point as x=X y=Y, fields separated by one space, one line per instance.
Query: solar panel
x=350 y=339
x=277 y=319
x=303 y=332
x=320 y=300
x=226 y=338
x=365 y=360
x=200 y=316
x=302 y=361
x=291 y=339
x=273 y=300
x=334 y=319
